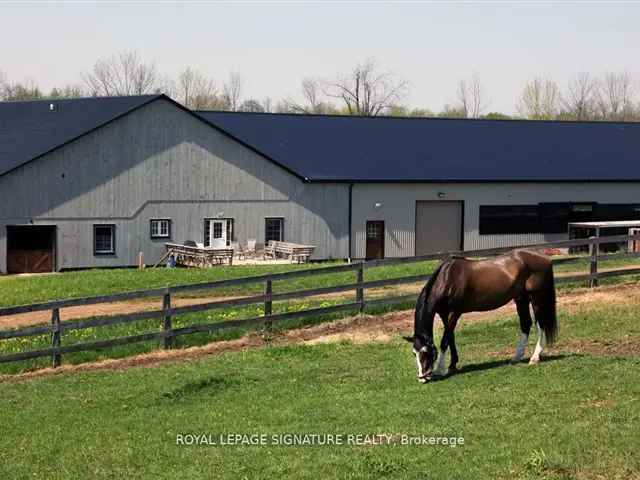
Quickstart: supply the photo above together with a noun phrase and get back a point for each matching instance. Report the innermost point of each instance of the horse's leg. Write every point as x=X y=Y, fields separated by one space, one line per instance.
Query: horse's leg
x=453 y=366
x=448 y=340
x=535 y=358
x=440 y=369
x=522 y=304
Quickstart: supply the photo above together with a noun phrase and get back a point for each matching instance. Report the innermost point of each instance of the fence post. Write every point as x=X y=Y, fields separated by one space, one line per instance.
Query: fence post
x=360 y=288
x=268 y=304
x=594 y=249
x=167 y=324
x=55 y=337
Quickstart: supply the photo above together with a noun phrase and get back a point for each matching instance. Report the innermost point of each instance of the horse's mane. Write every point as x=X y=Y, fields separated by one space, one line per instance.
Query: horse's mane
x=423 y=300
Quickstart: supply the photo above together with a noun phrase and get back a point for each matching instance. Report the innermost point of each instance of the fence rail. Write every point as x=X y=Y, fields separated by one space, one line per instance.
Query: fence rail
x=167 y=312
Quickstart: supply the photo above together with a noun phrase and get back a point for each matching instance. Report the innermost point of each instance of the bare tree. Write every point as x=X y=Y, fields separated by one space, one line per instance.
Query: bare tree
x=312 y=92
x=314 y=101
x=3 y=85
x=267 y=104
x=472 y=99
x=251 y=105
x=68 y=91
x=452 y=111
x=122 y=74
x=403 y=111
x=20 y=91
x=579 y=102
x=196 y=91
x=540 y=100
x=615 y=97
x=367 y=90
x=232 y=91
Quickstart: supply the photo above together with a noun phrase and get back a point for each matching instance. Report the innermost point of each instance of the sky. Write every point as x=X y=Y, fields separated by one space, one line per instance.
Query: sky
x=274 y=45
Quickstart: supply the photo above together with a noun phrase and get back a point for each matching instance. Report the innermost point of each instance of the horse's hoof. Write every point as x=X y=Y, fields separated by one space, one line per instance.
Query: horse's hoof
x=534 y=360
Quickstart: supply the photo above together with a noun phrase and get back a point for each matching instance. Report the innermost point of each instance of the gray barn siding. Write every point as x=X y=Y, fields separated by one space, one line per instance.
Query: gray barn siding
x=398 y=209
x=159 y=162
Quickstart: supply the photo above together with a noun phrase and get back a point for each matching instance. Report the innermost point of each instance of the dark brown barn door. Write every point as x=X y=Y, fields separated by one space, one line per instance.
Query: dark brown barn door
x=375 y=239
x=31 y=248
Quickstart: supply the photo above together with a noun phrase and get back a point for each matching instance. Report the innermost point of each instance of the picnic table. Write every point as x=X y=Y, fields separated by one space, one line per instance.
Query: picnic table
x=294 y=251
x=195 y=256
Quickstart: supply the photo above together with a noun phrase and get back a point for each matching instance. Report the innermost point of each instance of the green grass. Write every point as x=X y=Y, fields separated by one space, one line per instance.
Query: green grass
x=17 y=290
x=571 y=417
x=583 y=264
x=81 y=283
x=154 y=325
x=23 y=290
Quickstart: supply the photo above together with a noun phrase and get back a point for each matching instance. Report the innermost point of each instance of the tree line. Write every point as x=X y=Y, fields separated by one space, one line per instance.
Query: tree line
x=367 y=89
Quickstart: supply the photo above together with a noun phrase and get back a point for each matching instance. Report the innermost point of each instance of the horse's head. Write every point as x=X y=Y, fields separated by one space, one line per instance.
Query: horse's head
x=426 y=354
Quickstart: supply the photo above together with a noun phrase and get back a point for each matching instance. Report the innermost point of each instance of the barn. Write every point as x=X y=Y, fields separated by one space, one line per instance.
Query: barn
x=93 y=182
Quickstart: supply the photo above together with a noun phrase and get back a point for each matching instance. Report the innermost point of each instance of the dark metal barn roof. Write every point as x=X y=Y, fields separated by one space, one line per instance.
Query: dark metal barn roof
x=342 y=148
x=353 y=149
x=31 y=129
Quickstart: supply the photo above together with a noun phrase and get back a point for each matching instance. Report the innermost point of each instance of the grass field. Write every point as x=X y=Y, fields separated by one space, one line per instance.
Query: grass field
x=21 y=290
x=18 y=290
x=575 y=416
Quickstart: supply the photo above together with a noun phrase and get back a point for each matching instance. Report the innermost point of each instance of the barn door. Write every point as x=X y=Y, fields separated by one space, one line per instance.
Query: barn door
x=31 y=248
x=375 y=239
x=438 y=227
x=218 y=233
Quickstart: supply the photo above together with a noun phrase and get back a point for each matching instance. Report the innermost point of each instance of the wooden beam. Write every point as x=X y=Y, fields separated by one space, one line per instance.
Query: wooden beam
x=55 y=338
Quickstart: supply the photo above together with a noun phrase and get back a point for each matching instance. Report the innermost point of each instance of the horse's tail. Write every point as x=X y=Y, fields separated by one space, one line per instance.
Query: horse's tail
x=546 y=314
x=423 y=299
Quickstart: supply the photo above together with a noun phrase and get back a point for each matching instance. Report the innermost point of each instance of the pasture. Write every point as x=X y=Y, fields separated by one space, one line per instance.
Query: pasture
x=21 y=290
x=576 y=415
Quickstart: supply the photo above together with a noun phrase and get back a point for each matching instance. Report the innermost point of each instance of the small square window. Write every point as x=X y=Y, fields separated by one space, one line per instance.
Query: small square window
x=104 y=239
x=161 y=228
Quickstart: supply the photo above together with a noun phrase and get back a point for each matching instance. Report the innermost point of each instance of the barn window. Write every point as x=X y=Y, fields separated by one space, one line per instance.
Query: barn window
x=217 y=230
x=616 y=211
x=273 y=229
x=554 y=217
x=161 y=228
x=501 y=219
x=104 y=239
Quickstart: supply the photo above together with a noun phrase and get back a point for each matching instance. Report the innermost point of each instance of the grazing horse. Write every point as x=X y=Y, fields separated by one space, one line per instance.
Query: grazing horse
x=460 y=285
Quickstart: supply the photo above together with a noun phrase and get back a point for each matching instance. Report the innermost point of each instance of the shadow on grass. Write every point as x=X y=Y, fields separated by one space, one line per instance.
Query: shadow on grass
x=209 y=385
x=478 y=367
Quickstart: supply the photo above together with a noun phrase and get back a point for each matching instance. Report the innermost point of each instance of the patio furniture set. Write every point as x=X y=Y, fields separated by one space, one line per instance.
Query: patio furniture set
x=193 y=254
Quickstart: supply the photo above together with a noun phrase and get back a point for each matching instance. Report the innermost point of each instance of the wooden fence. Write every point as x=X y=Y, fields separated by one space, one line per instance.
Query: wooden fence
x=57 y=327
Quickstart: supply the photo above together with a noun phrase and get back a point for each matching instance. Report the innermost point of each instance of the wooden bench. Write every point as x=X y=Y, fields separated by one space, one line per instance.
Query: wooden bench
x=294 y=251
x=199 y=256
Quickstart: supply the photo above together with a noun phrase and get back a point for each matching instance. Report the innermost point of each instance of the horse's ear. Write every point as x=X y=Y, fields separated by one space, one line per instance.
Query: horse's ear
x=410 y=339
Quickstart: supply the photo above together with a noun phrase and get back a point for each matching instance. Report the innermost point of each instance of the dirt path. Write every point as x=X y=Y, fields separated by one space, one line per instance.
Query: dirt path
x=98 y=310
x=365 y=329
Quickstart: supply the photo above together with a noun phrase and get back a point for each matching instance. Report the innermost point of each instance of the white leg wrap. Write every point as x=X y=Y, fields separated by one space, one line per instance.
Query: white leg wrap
x=441 y=370
x=520 y=347
x=535 y=358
